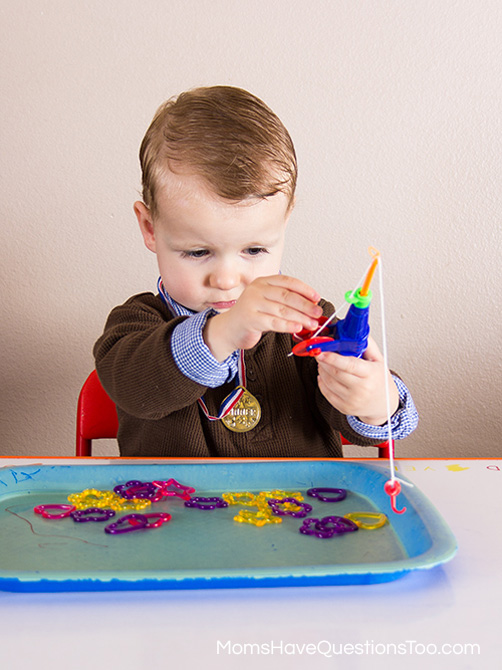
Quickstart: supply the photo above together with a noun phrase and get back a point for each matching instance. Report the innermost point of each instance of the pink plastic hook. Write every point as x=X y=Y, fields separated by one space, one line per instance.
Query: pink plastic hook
x=393 y=489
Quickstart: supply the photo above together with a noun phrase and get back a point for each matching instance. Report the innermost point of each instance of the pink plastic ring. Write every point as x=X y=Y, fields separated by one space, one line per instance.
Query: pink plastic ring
x=173 y=488
x=162 y=518
x=43 y=510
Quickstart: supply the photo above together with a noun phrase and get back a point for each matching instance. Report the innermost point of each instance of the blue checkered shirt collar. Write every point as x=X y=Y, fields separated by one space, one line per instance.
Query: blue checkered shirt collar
x=175 y=307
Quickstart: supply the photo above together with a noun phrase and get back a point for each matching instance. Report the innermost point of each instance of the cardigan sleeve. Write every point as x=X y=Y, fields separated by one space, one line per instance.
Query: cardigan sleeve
x=135 y=363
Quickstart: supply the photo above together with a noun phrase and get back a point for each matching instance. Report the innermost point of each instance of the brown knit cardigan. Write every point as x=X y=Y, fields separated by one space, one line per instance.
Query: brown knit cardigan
x=157 y=405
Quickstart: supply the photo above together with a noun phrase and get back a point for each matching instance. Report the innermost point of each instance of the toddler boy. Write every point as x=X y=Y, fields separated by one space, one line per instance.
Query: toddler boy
x=202 y=368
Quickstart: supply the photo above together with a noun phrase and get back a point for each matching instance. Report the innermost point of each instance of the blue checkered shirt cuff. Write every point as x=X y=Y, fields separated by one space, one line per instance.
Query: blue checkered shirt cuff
x=403 y=421
x=193 y=357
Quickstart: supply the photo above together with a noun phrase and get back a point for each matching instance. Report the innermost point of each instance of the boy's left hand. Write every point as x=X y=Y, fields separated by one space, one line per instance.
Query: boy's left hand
x=356 y=386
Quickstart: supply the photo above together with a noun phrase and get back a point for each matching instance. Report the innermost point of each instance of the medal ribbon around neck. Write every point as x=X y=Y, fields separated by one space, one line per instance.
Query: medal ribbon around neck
x=240 y=411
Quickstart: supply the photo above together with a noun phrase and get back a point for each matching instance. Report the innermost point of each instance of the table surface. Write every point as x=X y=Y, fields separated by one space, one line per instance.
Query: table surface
x=446 y=617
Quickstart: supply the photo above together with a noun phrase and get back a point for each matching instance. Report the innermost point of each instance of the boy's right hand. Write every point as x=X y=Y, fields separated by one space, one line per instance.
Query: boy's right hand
x=278 y=303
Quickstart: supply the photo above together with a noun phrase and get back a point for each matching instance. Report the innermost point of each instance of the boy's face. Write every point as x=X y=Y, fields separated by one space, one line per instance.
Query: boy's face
x=208 y=249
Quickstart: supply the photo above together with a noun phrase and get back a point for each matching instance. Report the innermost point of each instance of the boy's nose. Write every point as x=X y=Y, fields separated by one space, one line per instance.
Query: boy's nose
x=224 y=278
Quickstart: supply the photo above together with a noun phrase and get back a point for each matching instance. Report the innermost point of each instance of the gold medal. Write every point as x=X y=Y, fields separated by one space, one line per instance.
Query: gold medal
x=244 y=415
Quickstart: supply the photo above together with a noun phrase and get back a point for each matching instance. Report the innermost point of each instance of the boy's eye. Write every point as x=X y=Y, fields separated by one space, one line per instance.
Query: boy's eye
x=255 y=251
x=196 y=253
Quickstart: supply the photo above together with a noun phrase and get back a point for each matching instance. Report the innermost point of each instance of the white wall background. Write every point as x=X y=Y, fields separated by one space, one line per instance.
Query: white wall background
x=395 y=110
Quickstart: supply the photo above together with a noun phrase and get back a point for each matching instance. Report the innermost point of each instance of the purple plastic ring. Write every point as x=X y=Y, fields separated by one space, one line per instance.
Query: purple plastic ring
x=137 y=489
x=123 y=525
x=146 y=491
x=275 y=504
x=338 y=524
x=123 y=487
x=206 y=503
x=92 y=514
x=340 y=494
x=309 y=527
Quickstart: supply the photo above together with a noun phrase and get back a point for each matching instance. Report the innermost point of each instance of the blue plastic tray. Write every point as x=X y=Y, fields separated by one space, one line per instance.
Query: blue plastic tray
x=208 y=549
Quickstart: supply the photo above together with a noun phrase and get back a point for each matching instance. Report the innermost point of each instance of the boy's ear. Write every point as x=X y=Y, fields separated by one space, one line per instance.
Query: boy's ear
x=145 y=221
x=290 y=209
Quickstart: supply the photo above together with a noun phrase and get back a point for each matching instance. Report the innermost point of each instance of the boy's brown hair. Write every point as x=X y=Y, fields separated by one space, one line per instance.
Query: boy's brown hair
x=225 y=135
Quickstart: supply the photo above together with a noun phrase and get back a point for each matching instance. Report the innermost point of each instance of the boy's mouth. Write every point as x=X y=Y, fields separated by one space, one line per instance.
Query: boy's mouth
x=219 y=306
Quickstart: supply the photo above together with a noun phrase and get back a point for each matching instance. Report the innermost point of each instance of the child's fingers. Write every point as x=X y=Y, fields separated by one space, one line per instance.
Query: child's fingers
x=291 y=306
x=339 y=396
x=277 y=303
x=295 y=286
x=281 y=318
x=338 y=365
x=283 y=300
x=372 y=352
x=343 y=383
x=342 y=367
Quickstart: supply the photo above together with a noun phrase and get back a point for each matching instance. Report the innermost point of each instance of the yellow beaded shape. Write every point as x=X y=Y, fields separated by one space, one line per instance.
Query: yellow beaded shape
x=379 y=520
x=263 y=496
x=259 y=518
x=242 y=498
x=101 y=499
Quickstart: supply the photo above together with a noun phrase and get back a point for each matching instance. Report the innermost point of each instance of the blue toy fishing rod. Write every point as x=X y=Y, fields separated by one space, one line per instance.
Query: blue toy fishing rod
x=348 y=336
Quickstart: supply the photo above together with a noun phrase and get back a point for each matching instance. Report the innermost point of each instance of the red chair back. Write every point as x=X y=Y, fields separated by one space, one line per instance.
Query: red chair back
x=96 y=415
x=383 y=447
